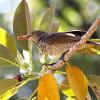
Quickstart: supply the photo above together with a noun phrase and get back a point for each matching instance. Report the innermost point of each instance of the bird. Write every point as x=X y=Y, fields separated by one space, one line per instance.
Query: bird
x=57 y=43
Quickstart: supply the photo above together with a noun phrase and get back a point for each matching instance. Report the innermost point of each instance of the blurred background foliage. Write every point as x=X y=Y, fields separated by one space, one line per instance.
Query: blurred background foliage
x=71 y=14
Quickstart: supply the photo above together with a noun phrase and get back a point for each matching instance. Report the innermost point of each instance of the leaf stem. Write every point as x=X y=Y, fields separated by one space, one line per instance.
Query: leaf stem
x=27 y=80
x=17 y=65
x=30 y=97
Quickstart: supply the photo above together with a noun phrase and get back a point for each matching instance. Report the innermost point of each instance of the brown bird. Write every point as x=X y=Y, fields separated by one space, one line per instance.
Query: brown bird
x=56 y=43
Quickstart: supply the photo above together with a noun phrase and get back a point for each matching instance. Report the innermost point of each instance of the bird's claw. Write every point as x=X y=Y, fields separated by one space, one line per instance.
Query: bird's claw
x=62 y=56
x=52 y=65
x=49 y=66
x=45 y=64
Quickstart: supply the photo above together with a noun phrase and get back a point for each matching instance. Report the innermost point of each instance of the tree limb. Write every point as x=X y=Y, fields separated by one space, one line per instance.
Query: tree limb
x=79 y=45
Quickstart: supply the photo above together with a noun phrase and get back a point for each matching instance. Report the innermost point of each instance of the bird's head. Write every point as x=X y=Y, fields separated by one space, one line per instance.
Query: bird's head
x=34 y=36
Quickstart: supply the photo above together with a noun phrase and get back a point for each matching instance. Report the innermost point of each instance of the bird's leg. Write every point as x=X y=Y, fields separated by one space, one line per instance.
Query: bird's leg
x=45 y=64
x=63 y=56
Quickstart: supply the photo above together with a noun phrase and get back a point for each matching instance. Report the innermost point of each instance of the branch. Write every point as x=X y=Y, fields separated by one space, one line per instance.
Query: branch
x=80 y=45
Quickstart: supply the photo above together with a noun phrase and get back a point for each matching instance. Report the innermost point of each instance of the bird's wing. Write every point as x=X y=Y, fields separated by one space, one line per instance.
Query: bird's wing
x=63 y=37
x=77 y=32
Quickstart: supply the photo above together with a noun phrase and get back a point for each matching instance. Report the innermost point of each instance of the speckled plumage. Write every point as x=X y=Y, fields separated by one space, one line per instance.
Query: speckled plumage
x=56 y=43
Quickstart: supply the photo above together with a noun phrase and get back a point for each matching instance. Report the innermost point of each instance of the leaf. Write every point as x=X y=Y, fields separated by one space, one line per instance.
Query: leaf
x=94 y=79
x=69 y=92
x=48 y=89
x=47 y=19
x=93 y=49
x=78 y=82
x=8 y=41
x=5 y=56
x=7 y=94
x=66 y=89
x=8 y=87
x=22 y=23
x=20 y=58
x=95 y=40
x=70 y=98
x=55 y=26
x=5 y=84
x=91 y=94
x=96 y=50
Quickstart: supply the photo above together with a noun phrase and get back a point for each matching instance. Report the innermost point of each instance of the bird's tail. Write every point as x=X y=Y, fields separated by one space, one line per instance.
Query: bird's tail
x=93 y=46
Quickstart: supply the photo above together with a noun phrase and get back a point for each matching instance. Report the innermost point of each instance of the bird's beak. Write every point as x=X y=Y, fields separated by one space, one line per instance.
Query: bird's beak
x=24 y=37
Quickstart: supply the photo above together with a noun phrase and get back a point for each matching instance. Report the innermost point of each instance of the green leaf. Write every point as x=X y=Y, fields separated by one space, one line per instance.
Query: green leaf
x=22 y=23
x=95 y=40
x=7 y=94
x=5 y=84
x=47 y=19
x=8 y=87
x=55 y=27
x=8 y=41
x=6 y=54
x=95 y=48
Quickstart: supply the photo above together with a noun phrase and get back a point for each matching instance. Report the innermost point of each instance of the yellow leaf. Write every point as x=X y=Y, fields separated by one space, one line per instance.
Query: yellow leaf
x=9 y=93
x=8 y=41
x=6 y=56
x=8 y=87
x=70 y=98
x=5 y=84
x=48 y=89
x=66 y=89
x=78 y=82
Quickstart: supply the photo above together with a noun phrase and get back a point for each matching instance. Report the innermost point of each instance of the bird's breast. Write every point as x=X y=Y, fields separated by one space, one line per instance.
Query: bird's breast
x=55 y=49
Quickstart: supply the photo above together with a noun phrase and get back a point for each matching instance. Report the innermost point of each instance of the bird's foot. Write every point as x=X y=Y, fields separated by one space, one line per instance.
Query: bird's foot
x=45 y=64
x=63 y=56
x=50 y=66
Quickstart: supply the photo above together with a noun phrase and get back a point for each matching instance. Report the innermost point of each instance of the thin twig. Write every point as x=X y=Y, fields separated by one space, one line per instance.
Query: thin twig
x=79 y=45
x=31 y=96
